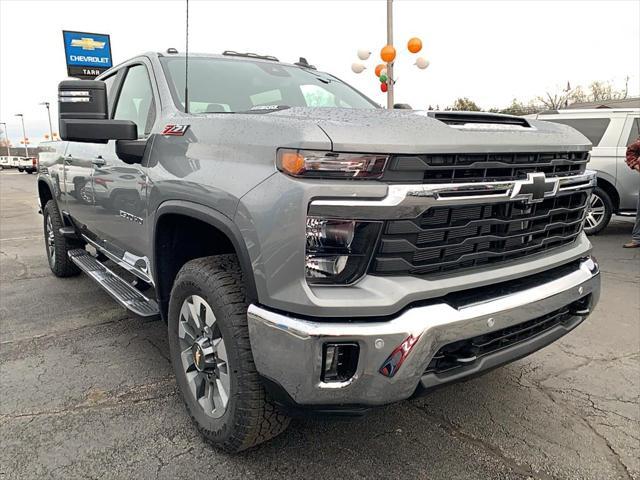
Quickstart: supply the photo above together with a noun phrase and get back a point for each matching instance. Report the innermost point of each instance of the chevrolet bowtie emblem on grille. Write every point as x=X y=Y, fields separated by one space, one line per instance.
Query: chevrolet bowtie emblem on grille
x=534 y=188
x=87 y=43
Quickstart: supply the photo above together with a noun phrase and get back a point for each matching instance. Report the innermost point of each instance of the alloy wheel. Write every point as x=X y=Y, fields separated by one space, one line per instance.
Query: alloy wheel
x=595 y=212
x=51 y=241
x=204 y=356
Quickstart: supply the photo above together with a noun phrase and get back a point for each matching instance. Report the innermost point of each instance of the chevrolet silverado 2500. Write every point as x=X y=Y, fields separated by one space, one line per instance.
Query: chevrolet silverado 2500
x=309 y=250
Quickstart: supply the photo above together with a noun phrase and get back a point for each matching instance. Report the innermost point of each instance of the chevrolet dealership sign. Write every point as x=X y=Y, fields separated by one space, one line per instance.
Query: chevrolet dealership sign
x=87 y=54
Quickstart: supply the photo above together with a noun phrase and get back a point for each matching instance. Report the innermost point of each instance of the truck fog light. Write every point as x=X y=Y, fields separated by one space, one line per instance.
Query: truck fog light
x=338 y=251
x=320 y=267
x=339 y=361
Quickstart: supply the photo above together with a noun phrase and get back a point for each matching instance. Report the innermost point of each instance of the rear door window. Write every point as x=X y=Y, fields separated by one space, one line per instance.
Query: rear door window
x=635 y=131
x=592 y=128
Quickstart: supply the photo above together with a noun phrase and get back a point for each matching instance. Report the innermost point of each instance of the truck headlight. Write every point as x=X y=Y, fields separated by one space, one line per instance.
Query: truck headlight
x=319 y=164
x=338 y=251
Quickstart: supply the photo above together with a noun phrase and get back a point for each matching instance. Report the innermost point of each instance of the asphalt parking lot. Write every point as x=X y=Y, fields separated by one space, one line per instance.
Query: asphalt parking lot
x=86 y=391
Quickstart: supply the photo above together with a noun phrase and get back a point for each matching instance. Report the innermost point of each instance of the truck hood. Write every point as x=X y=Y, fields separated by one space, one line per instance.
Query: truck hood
x=415 y=131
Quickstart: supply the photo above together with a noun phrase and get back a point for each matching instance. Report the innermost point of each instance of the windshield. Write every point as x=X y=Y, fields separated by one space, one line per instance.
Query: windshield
x=218 y=85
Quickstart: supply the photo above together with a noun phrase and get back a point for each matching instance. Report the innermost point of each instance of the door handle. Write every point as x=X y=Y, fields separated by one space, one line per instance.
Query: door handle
x=99 y=161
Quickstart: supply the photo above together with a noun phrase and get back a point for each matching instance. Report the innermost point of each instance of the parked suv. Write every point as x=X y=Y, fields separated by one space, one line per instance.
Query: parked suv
x=610 y=131
x=309 y=250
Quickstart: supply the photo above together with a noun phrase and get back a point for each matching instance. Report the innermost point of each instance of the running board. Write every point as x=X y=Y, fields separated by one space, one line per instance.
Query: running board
x=122 y=291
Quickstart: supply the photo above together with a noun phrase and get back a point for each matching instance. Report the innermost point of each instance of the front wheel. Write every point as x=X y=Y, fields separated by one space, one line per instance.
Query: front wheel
x=212 y=359
x=56 y=245
x=599 y=211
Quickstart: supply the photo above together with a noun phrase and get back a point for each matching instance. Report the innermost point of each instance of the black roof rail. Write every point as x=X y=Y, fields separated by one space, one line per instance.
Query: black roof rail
x=303 y=63
x=231 y=53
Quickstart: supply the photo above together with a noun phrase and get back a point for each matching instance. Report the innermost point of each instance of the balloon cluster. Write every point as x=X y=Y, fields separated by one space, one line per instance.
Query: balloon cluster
x=388 y=55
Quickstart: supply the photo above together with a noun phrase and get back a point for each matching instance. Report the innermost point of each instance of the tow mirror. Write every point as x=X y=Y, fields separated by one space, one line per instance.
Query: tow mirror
x=84 y=114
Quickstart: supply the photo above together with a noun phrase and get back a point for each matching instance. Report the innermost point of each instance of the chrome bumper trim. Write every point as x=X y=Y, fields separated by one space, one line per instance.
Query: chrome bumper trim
x=288 y=350
x=409 y=201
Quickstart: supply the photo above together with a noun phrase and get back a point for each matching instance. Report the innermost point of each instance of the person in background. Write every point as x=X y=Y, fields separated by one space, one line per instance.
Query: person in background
x=633 y=161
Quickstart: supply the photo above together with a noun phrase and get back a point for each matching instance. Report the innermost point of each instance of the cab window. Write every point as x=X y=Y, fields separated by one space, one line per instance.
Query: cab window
x=135 y=101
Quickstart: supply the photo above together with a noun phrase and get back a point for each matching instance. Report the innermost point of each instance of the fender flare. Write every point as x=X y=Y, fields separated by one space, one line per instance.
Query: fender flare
x=46 y=180
x=217 y=220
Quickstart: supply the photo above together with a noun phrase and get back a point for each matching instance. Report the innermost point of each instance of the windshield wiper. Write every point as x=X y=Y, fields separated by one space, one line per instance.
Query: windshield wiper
x=266 y=108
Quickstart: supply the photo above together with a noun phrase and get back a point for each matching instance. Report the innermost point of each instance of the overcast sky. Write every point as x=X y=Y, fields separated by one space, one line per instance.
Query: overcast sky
x=489 y=51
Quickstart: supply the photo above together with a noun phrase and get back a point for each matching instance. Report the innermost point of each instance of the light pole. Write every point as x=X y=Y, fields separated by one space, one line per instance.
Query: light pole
x=46 y=104
x=24 y=134
x=6 y=138
x=390 y=64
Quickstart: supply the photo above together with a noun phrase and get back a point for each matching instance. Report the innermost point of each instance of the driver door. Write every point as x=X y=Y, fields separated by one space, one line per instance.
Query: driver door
x=120 y=189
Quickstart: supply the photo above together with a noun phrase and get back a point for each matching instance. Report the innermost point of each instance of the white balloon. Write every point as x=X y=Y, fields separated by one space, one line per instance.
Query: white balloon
x=363 y=53
x=421 y=63
x=383 y=71
x=357 y=67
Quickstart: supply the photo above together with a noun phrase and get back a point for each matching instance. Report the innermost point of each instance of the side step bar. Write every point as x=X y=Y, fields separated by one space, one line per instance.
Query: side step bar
x=123 y=292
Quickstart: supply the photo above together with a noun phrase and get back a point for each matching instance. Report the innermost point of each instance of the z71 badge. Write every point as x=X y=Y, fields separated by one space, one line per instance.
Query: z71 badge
x=177 y=130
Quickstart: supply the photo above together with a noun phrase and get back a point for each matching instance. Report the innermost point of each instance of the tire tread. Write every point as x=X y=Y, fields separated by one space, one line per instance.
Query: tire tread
x=258 y=419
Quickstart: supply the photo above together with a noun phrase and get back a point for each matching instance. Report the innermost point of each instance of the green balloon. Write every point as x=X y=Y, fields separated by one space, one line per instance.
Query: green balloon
x=383 y=78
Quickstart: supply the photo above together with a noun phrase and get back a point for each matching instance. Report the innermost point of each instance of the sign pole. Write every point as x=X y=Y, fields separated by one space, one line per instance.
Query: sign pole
x=390 y=64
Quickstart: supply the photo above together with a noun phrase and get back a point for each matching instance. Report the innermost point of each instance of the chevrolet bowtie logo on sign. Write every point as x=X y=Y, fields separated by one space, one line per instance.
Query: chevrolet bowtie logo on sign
x=87 y=54
x=535 y=188
x=87 y=43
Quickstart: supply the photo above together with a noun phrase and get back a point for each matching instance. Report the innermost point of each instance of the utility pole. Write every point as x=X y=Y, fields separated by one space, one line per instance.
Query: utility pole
x=390 y=42
x=24 y=134
x=46 y=104
x=6 y=139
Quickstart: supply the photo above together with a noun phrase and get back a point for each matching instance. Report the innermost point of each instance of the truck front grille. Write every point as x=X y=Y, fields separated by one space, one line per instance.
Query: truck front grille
x=465 y=236
x=485 y=167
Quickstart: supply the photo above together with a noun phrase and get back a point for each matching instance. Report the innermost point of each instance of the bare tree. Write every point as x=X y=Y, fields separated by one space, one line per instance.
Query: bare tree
x=464 y=104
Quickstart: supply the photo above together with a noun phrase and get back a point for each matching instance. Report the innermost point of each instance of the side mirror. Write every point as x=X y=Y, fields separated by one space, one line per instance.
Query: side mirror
x=131 y=151
x=84 y=114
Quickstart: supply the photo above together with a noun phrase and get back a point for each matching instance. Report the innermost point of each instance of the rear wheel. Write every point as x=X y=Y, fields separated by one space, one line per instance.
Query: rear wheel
x=55 y=244
x=212 y=359
x=599 y=211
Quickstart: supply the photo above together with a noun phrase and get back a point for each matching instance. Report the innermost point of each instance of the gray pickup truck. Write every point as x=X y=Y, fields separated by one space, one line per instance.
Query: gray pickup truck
x=310 y=251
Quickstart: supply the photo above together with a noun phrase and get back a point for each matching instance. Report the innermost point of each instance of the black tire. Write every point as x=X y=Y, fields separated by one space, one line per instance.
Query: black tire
x=250 y=418
x=56 y=246
x=599 y=211
x=20 y=170
x=29 y=172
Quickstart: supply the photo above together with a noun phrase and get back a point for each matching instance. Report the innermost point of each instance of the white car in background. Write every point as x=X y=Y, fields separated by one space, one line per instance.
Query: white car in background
x=9 y=161
x=610 y=131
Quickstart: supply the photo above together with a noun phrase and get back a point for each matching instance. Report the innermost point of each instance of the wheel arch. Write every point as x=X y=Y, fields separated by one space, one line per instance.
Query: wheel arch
x=45 y=191
x=192 y=214
x=608 y=187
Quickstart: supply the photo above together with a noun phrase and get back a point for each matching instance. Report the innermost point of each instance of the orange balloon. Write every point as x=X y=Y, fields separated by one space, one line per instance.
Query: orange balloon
x=414 y=45
x=388 y=53
x=379 y=68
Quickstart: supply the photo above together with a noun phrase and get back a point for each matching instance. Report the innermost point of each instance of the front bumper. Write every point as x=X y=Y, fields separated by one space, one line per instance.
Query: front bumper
x=288 y=350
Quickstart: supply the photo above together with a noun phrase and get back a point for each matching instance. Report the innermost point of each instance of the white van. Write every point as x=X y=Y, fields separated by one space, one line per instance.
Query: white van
x=610 y=132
